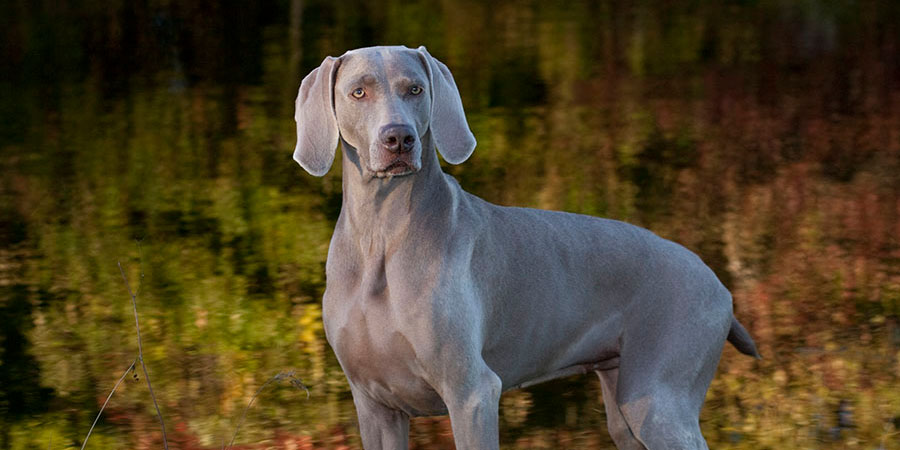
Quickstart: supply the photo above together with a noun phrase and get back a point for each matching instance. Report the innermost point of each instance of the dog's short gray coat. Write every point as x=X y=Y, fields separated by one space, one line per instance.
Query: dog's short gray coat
x=437 y=301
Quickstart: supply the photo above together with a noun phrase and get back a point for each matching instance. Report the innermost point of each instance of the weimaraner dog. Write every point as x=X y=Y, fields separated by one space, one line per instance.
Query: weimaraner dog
x=437 y=301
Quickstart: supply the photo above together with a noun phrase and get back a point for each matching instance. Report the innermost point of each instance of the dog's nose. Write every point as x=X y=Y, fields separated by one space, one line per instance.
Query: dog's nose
x=397 y=138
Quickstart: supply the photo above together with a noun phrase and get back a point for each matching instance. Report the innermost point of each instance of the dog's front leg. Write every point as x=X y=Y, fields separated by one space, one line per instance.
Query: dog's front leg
x=473 y=405
x=380 y=427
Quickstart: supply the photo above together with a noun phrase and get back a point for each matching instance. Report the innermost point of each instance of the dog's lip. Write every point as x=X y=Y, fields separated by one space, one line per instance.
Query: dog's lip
x=396 y=168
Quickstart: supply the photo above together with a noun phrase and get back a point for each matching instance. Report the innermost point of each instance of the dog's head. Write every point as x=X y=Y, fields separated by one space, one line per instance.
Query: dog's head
x=382 y=101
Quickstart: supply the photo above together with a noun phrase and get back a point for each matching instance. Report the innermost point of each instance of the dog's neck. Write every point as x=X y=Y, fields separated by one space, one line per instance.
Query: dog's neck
x=385 y=210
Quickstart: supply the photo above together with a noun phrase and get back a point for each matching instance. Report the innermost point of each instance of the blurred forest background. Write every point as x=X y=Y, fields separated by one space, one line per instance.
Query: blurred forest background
x=762 y=134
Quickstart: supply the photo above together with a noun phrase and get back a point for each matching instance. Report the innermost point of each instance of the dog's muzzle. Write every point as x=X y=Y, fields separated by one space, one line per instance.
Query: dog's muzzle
x=397 y=143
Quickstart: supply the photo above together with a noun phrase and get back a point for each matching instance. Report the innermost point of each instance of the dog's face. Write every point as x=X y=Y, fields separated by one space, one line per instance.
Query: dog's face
x=382 y=101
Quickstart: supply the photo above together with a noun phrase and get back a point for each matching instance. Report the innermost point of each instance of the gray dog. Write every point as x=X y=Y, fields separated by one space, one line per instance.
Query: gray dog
x=437 y=301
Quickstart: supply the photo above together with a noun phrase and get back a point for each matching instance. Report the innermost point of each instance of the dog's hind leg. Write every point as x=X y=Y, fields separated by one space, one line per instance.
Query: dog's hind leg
x=662 y=422
x=615 y=421
x=662 y=383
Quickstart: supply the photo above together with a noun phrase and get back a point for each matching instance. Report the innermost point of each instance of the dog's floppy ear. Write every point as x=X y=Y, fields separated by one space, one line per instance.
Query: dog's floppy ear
x=317 y=130
x=451 y=132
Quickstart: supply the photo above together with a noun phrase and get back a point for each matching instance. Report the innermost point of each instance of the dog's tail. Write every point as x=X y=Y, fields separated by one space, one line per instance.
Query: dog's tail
x=740 y=338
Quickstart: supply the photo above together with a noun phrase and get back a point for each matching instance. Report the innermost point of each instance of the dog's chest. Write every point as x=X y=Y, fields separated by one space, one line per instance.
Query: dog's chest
x=376 y=348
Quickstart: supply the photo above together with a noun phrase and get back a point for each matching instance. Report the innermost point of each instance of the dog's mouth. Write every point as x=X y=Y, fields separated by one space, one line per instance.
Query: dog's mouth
x=397 y=168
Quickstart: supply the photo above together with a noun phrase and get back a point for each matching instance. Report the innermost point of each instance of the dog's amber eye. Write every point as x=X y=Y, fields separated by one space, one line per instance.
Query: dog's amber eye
x=415 y=90
x=358 y=93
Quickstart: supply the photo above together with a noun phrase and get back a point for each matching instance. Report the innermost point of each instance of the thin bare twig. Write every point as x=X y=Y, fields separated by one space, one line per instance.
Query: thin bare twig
x=140 y=358
x=140 y=287
x=296 y=382
x=122 y=378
